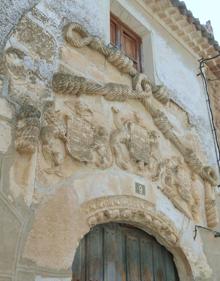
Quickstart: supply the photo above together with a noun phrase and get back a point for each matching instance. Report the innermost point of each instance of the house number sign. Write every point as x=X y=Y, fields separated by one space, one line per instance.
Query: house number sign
x=140 y=188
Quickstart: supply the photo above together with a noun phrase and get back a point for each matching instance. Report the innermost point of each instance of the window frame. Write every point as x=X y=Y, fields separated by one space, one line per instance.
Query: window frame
x=122 y=29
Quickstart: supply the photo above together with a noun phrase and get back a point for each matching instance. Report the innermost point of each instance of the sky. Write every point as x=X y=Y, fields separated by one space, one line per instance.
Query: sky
x=206 y=10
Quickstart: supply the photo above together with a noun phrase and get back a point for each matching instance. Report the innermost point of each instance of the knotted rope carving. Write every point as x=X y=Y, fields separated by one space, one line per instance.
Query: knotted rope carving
x=77 y=36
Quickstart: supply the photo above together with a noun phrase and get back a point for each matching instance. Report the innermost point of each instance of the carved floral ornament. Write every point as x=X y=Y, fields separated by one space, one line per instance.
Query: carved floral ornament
x=131 y=145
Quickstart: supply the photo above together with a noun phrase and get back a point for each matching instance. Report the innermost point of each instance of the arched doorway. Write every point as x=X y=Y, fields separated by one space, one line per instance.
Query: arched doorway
x=120 y=252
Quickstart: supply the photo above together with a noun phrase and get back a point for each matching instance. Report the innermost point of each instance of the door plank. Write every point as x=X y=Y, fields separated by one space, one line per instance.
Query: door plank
x=170 y=268
x=159 y=265
x=133 y=258
x=117 y=252
x=146 y=247
x=114 y=267
x=94 y=266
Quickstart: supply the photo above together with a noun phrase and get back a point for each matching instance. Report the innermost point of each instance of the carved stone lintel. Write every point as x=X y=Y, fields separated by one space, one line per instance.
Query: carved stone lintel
x=130 y=209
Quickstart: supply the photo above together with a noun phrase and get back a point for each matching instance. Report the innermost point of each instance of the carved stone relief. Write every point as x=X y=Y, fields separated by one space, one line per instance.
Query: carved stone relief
x=25 y=78
x=177 y=185
x=75 y=133
x=38 y=40
x=27 y=128
x=79 y=135
x=86 y=140
x=53 y=138
x=73 y=85
x=48 y=139
x=134 y=145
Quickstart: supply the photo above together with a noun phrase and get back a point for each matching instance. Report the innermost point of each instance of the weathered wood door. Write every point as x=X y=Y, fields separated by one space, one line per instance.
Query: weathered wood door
x=118 y=252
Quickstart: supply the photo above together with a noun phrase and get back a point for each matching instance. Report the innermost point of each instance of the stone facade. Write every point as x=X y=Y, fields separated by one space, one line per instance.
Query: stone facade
x=81 y=128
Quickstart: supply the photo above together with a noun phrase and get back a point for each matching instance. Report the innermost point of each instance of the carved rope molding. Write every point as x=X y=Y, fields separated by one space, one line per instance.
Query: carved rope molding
x=127 y=209
x=27 y=128
x=74 y=85
x=114 y=56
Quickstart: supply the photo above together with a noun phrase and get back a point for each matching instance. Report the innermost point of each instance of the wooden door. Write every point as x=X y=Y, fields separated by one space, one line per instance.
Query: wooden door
x=118 y=252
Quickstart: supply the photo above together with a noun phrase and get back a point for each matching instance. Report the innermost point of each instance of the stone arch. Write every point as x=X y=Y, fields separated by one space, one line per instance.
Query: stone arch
x=61 y=222
x=140 y=214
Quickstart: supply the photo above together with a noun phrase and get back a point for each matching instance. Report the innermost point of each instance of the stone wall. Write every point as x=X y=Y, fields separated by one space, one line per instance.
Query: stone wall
x=80 y=131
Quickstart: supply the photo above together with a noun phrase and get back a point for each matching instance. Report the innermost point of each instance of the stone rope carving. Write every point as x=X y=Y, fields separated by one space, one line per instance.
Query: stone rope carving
x=126 y=208
x=114 y=56
x=27 y=129
x=74 y=85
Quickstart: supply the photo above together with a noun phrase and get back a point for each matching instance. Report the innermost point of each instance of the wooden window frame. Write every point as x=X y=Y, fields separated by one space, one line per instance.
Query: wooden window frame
x=121 y=29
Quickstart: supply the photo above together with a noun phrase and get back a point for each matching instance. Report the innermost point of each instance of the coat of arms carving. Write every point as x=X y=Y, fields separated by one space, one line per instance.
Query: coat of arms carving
x=135 y=147
x=177 y=185
x=86 y=139
x=78 y=134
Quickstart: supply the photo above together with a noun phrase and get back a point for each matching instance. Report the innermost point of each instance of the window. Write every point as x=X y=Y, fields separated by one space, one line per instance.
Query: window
x=126 y=40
